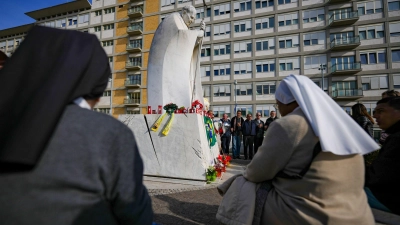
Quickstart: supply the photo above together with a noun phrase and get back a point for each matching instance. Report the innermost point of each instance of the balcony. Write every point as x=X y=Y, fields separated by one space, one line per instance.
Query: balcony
x=134 y=47
x=132 y=83
x=346 y=68
x=347 y=94
x=343 y=19
x=132 y=102
x=136 y=11
x=346 y=43
x=135 y=29
x=133 y=65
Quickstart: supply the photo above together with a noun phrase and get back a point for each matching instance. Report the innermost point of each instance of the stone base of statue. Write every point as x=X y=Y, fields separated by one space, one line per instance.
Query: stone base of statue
x=183 y=154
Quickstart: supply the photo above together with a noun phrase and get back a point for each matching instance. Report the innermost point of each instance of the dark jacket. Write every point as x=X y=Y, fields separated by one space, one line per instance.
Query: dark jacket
x=260 y=130
x=270 y=120
x=249 y=128
x=365 y=124
x=90 y=173
x=236 y=130
x=382 y=176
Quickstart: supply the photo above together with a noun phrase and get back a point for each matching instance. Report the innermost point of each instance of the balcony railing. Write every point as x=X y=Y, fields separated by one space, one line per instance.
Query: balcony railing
x=133 y=65
x=135 y=11
x=136 y=28
x=343 y=18
x=345 y=43
x=134 y=47
x=132 y=101
x=346 y=68
x=132 y=83
x=348 y=93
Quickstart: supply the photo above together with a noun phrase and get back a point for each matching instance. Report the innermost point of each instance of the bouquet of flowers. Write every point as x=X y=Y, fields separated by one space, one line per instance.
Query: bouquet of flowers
x=224 y=159
x=211 y=173
x=219 y=167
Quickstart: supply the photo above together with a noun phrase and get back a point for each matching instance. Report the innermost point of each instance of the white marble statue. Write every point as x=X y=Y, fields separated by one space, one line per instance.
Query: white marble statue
x=174 y=61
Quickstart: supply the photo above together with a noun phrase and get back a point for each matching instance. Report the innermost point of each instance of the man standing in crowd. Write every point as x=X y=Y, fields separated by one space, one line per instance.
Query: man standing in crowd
x=272 y=117
x=225 y=132
x=260 y=128
x=386 y=94
x=249 y=132
x=236 y=130
x=381 y=177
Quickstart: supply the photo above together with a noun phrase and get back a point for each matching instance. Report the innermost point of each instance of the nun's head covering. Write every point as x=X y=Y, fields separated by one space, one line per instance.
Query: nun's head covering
x=338 y=132
x=48 y=71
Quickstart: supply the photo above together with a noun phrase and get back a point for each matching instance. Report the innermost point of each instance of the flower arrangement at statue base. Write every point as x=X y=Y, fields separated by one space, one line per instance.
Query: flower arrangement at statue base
x=224 y=159
x=219 y=167
x=211 y=174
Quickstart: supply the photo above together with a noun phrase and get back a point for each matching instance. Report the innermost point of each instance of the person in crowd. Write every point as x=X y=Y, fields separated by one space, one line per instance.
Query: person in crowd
x=386 y=94
x=249 y=132
x=381 y=177
x=236 y=130
x=260 y=128
x=272 y=117
x=60 y=161
x=3 y=58
x=225 y=132
x=362 y=117
x=309 y=169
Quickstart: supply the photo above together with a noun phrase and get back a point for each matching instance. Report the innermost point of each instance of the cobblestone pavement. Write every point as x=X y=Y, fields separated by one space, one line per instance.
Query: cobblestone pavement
x=190 y=205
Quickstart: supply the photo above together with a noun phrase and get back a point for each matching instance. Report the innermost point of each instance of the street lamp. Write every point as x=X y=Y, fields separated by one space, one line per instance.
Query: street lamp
x=322 y=67
x=235 y=82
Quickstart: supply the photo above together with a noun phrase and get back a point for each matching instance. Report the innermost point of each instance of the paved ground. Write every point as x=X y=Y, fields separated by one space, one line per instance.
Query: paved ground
x=177 y=202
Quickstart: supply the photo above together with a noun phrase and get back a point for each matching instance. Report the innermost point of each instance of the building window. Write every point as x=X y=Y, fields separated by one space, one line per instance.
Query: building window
x=393 y=5
x=373 y=57
x=104 y=110
x=243 y=46
x=396 y=81
x=265 y=88
x=313 y=62
x=243 y=67
x=396 y=55
x=183 y=1
x=265 y=66
x=343 y=63
x=165 y=3
x=106 y=93
x=265 y=23
x=242 y=26
x=206 y=51
x=265 y=44
x=282 y=2
x=245 y=109
x=219 y=111
x=289 y=42
x=289 y=64
x=135 y=79
x=108 y=27
x=342 y=36
x=97 y=13
x=371 y=32
x=222 y=49
x=207 y=32
x=244 y=89
x=222 y=69
x=343 y=85
x=72 y=21
x=132 y=112
x=97 y=29
x=374 y=83
x=108 y=43
x=135 y=60
x=134 y=97
x=222 y=9
x=109 y=10
x=205 y=71
x=243 y=5
x=264 y=3
x=315 y=15
x=200 y=13
x=110 y=59
x=394 y=29
x=319 y=81
x=314 y=38
x=287 y=20
x=206 y=91
x=222 y=29
x=369 y=7
x=83 y=18
x=264 y=110
x=222 y=90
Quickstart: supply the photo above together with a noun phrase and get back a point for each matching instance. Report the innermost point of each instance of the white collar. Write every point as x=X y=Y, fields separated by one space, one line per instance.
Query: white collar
x=81 y=102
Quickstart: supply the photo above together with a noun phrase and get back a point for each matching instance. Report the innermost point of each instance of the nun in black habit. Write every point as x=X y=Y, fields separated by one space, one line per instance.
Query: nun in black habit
x=60 y=162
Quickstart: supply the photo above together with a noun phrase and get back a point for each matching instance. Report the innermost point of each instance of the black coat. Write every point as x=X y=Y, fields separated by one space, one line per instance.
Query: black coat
x=365 y=124
x=236 y=130
x=382 y=177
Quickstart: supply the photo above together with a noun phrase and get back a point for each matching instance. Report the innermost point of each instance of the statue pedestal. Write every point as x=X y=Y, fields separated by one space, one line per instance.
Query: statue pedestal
x=184 y=153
